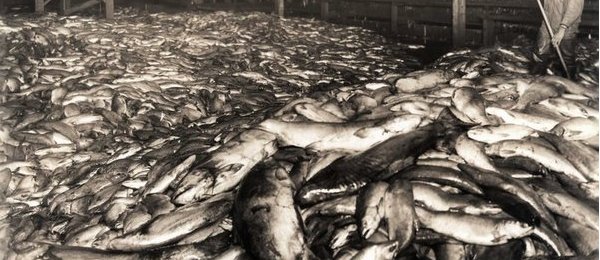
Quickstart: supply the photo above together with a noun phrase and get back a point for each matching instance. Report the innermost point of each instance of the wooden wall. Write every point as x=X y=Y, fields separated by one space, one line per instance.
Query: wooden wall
x=422 y=20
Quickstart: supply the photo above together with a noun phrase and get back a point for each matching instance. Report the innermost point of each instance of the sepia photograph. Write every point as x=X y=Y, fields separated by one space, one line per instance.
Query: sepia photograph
x=299 y=129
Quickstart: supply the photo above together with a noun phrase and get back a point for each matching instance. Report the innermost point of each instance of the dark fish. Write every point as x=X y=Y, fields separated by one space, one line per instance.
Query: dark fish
x=441 y=175
x=504 y=187
x=348 y=174
x=67 y=252
x=264 y=216
x=451 y=251
x=399 y=213
x=514 y=249
x=521 y=163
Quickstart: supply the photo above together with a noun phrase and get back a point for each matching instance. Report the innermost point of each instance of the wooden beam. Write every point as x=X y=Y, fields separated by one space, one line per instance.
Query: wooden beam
x=459 y=22
x=39 y=6
x=279 y=7
x=324 y=9
x=109 y=8
x=394 y=18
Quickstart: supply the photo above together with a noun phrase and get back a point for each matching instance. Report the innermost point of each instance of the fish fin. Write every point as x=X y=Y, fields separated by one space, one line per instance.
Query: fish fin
x=499 y=239
x=369 y=131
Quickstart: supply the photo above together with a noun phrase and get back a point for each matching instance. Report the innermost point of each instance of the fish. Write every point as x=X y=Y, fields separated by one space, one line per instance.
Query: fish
x=570 y=86
x=514 y=249
x=370 y=209
x=424 y=79
x=570 y=108
x=473 y=153
x=581 y=156
x=451 y=251
x=538 y=91
x=399 y=213
x=67 y=252
x=511 y=117
x=577 y=128
x=442 y=175
x=468 y=101
x=353 y=136
x=584 y=240
x=509 y=191
x=339 y=206
x=316 y=114
x=163 y=182
x=385 y=251
x=343 y=236
x=347 y=175
x=564 y=204
x=170 y=227
x=473 y=229
x=226 y=166
x=494 y=134
x=550 y=159
x=435 y=199
x=264 y=216
x=558 y=245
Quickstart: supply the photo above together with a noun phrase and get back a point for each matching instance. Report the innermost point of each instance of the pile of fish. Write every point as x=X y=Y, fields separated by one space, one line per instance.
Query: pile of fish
x=229 y=136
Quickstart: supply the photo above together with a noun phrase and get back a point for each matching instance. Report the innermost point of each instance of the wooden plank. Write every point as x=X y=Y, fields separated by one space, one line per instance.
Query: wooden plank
x=109 y=8
x=324 y=10
x=39 y=6
x=394 y=18
x=459 y=22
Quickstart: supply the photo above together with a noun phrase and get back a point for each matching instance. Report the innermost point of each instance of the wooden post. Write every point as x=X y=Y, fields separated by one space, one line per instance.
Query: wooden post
x=324 y=9
x=64 y=6
x=279 y=7
x=110 y=9
x=459 y=22
x=39 y=6
x=489 y=34
x=394 y=19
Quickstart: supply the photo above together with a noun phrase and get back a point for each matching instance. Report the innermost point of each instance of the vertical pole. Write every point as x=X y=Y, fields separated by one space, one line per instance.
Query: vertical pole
x=394 y=19
x=459 y=22
x=324 y=9
x=39 y=6
x=488 y=32
x=64 y=6
x=279 y=7
x=110 y=9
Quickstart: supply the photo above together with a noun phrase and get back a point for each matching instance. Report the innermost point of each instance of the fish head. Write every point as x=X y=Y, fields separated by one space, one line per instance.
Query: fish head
x=479 y=131
x=495 y=149
x=517 y=229
x=401 y=123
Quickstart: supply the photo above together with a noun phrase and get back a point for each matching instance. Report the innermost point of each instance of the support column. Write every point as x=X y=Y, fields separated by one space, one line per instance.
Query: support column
x=109 y=9
x=39 y=6
x=459 y=22
x=279 y=7
x=394 y=18
x=324 y=9
x=64 y=6
x=489 y=34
